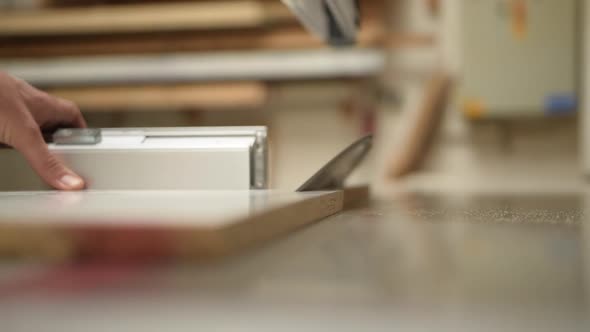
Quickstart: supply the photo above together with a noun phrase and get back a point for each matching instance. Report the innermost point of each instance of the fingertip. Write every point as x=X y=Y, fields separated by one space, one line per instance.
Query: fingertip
x=49 y=167
x=70 y=182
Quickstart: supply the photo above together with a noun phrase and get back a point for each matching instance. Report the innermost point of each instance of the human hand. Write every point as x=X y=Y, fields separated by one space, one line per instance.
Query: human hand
x=24 y=112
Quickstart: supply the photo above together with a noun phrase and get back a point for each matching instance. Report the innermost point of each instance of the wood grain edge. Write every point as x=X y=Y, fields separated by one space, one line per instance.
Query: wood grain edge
x=258 y=229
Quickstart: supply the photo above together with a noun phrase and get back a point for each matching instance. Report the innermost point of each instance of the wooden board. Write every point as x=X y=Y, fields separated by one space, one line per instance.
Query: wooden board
x=87 y=3
x=152 y=224
x=214 y=96
x=422 y=129
x=140 y=18
x=287 y=37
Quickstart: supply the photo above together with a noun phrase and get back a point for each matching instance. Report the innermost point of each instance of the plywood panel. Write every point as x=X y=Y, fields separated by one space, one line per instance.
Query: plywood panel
x=152 y=224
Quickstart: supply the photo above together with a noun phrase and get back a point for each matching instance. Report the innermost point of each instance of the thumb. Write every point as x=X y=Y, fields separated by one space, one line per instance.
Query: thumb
x=48 y=166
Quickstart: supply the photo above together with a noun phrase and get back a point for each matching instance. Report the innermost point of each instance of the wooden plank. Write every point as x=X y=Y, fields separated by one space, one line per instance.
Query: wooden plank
x=141 y=18
x=288 y=37
x=180 y=41
x=218 y=96
x=417 y=143
x=87 y=3
x=152 y=224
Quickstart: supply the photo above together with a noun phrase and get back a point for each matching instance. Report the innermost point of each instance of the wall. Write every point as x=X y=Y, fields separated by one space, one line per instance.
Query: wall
x=525 y=152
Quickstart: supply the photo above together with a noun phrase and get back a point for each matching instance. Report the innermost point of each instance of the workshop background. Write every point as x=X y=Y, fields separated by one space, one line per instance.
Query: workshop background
x=459 y=94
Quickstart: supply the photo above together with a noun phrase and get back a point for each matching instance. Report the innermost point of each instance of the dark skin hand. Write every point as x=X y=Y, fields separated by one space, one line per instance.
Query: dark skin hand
x=24 y=113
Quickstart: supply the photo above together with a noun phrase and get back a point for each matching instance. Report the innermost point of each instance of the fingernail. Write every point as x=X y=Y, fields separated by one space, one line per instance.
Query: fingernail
x=71 y=181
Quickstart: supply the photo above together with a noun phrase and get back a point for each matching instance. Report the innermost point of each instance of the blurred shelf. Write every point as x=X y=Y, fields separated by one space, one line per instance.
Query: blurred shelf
x=172 y=16
x=214 y=66
x=215 y=96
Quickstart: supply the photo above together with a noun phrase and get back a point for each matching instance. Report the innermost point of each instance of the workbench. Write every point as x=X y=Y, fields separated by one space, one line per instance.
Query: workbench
x=409 y=261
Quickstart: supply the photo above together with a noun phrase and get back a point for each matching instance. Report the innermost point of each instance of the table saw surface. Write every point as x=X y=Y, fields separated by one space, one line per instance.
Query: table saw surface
x=411 y=261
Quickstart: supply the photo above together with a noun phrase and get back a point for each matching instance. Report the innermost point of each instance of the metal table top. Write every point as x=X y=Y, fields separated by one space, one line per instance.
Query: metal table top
x=420 y=261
